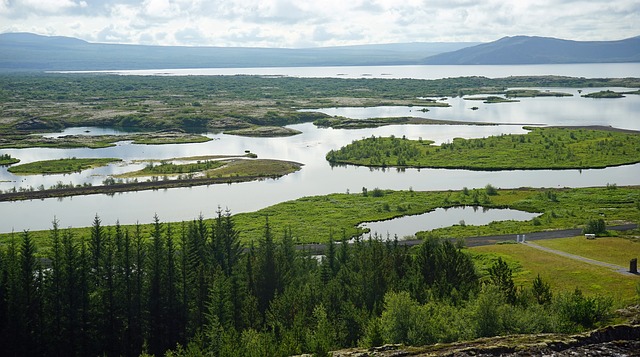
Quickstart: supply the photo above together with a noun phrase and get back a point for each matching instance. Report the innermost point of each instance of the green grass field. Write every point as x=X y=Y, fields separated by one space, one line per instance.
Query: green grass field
x=564 y=274
x=606 y=249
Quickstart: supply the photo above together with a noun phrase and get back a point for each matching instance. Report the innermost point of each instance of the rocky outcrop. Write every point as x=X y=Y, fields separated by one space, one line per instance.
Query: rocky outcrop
x=617 y=340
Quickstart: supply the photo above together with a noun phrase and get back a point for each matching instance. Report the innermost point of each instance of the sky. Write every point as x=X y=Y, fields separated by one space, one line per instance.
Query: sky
x=317 y=23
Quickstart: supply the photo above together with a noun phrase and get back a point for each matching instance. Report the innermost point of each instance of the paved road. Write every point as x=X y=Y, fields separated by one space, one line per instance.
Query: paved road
x=489 y=240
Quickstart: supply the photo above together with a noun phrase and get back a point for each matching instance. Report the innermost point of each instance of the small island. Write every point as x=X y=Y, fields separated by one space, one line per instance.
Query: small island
x=533 y=93
x=264 y=131
x=541 y=148
x=348 y=123
x=61 y=166
x=492 y=99
x=604 y=94
x=6 y=160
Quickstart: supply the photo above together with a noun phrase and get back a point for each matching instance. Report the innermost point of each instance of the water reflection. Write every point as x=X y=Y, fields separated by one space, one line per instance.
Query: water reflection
x=443 y=217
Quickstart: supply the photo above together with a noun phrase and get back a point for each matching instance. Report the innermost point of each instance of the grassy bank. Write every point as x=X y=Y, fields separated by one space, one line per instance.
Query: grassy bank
x=61 y=166
x=541 y=148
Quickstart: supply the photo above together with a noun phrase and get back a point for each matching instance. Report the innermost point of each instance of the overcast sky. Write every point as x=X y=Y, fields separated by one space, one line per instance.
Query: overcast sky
x=287 y=23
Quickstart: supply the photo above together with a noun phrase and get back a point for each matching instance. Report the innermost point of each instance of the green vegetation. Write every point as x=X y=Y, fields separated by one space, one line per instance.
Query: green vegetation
x=612 y=250
x=541 y=148
x=190 y=287
x=604 y=94
x=169 y=168
x=256 y=168
x=563 y=274
x=6 y=159
x=314 y=218
x=492 y=99
x=219 y=168
x=61 y=166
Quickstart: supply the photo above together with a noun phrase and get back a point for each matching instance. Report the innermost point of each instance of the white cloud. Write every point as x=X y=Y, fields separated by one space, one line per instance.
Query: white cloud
x=290 y=23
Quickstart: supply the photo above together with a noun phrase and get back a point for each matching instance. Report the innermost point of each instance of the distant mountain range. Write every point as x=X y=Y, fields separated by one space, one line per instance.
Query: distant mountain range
x=541 y=50
x=30 y=52
x=26 y=51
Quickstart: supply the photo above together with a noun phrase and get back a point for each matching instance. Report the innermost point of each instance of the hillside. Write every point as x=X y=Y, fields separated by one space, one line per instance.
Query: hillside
x=541 y=50
x=26 y=51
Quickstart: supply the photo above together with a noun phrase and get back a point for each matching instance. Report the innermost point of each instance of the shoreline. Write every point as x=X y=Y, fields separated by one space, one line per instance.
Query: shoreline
x=130 y=187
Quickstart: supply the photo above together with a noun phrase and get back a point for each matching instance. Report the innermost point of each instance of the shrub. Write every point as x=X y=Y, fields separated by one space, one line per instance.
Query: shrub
x=595 y=226
x=490 y=190
x=582 y=310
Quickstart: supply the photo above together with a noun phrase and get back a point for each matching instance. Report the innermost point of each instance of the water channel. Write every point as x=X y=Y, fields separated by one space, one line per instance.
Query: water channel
x=317 y=177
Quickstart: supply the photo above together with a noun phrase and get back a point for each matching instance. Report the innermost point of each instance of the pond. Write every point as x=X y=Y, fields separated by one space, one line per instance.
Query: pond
x=443 y=217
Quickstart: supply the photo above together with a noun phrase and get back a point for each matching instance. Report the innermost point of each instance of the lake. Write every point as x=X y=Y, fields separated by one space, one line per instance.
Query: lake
x=317 y=177
x=587 y=70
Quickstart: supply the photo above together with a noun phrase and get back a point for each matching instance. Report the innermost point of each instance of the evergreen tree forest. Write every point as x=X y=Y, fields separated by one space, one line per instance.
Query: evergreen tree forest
x=191 y=289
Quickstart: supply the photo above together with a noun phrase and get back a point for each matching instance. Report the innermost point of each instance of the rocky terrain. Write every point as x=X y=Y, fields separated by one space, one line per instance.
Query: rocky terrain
x=615 y=340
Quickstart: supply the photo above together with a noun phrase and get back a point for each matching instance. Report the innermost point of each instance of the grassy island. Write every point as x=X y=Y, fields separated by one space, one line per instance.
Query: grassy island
x=264 y=131
x=237 y=166
x=171 y=169
x=6 y=159
x=604 y=94
x=541 y=148
x=61 y=166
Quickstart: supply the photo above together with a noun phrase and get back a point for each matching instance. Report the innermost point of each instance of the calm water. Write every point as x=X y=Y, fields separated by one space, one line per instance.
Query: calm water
x=444 y=217
x=574 y=110
x=310 y=148
x=587 y=70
